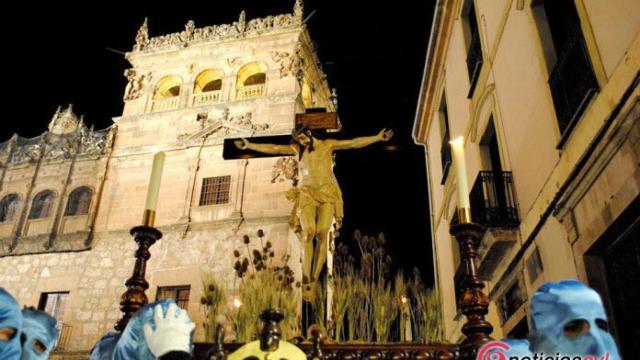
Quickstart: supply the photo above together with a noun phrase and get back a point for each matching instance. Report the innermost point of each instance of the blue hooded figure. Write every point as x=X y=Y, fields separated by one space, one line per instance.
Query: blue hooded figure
x=517 y=347
x=39 y=334
x=10 y=326
x=104 y=348
x=568 y=318
x=132 y=344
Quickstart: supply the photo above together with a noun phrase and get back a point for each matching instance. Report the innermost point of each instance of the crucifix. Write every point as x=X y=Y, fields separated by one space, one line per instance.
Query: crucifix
x=317 y=197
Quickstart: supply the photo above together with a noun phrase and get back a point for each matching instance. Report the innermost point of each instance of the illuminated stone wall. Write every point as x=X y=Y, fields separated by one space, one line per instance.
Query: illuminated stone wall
x=90 y=256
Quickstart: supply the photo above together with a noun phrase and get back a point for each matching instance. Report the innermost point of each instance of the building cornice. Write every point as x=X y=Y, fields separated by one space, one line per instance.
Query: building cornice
x=443 y=18
x=237 y=30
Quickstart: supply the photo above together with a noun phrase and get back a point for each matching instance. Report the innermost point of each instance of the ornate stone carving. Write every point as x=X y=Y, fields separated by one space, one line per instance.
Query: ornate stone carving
x=290 y=64
x=60 y=147
x=29 y=152
x=64 y=121
x=298 y=11
x=142 y=37
x=242 y=22
x=285 y=169
x=239 y=28
x=94 y=142
x=187 y=35
x=239 y=123
x=136 y=84
x=67 y=137
x=233 y=61
x=223 y=126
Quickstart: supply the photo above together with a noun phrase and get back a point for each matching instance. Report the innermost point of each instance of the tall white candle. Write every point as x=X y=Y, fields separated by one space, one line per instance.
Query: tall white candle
x=154 y=182
x=457 y=148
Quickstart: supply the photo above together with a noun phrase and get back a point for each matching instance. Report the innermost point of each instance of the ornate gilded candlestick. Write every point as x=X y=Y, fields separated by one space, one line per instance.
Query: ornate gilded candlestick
x=475 y=303
x=145 y=236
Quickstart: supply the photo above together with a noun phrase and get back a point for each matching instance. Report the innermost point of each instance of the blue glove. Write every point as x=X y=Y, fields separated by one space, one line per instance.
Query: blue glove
x=172 y=331
x=132 y=344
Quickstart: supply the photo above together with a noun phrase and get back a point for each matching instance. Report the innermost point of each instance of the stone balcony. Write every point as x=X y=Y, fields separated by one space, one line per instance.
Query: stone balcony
x=6 y=229
x=250 y=91
x=35 y=227
x=206 y=98
x=164 y=104
x=76 y=223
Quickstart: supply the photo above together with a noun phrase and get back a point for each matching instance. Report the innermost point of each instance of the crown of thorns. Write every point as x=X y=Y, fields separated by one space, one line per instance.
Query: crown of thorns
x=301 y=129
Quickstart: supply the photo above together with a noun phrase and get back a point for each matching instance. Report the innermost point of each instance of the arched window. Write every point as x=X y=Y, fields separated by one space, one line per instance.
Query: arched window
x=250 y=80
x=167 y=87
x=207 y=86
x=208 y=80
x=9 y=207
x=79 y=201
x=255 y=79
x=165 y=96
x=42 y=205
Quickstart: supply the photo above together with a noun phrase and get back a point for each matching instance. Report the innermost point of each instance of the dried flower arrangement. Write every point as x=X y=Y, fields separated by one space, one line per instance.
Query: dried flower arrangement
x=367 y=305
x=211 y=303
x=263 y=285
x=371 y=307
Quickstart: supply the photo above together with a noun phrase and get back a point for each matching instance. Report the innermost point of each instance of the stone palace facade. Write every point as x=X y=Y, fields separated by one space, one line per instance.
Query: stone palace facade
x=69 y=197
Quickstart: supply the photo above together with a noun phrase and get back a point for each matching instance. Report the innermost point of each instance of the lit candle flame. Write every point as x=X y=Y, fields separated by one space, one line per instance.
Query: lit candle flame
x=237 y=303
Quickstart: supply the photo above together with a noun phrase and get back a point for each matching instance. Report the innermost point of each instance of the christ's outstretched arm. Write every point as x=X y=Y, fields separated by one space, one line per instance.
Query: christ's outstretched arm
x=272 y=149
x=360 y=142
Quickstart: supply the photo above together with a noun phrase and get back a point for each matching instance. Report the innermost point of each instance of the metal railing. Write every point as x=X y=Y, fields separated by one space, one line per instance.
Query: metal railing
x=63 y=337
x=572 y=82
x=493 y=201
x=207 y=97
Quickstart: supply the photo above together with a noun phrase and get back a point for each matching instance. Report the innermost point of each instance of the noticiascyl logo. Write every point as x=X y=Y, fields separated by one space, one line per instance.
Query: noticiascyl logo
x=498 y=350
x=493 y=350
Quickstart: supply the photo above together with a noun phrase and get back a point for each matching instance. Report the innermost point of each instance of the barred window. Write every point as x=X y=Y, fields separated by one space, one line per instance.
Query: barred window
x=215 y=190
x=79 y=201
x=8 y=207
x=179 y=294
x=42 y=205
x=55 y=304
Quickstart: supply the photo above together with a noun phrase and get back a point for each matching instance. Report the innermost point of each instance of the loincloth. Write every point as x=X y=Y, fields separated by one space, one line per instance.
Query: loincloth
x=307 y=196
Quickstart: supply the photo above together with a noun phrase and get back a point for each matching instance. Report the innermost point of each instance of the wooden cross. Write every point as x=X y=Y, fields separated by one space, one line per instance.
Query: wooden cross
x=316 y=119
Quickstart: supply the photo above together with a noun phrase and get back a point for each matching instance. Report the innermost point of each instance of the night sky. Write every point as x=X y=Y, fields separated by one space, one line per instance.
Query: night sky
x=372 y=52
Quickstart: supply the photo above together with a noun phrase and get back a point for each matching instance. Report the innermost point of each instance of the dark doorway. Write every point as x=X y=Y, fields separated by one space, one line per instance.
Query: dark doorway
x=613 y=269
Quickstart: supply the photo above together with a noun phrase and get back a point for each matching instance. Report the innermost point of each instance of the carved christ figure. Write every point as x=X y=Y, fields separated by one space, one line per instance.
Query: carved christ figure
x=317 y=197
